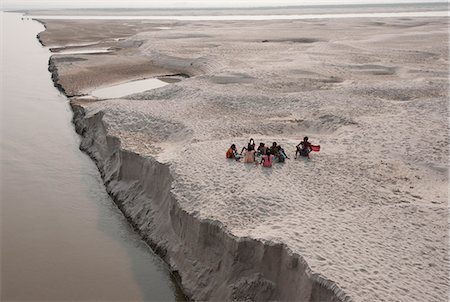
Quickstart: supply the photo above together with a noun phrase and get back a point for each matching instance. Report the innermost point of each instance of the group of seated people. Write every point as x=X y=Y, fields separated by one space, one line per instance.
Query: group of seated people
x=267 y=155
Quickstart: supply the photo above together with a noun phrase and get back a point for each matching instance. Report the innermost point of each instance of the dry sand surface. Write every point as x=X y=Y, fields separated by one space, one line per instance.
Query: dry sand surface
x=369 y=211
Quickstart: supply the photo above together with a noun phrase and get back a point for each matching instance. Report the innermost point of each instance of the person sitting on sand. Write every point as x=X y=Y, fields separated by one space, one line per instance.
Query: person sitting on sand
x=274 y=148
x=251 y=144
x=262 y=149
x=267 y=159
x=249 y=156
x=303 y=148
x=232 y=153
x=281 y=155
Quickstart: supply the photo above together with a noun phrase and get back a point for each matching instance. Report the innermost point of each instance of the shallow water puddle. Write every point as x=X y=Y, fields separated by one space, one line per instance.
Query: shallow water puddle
x=82 y=51
x=128 y=88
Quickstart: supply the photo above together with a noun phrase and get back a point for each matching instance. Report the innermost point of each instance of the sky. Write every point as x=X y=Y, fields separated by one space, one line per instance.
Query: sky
x=36 y=4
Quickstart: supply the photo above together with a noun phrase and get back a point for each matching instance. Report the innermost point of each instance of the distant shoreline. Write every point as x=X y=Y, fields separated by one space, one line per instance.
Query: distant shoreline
x=267 y=17
x=280 y=10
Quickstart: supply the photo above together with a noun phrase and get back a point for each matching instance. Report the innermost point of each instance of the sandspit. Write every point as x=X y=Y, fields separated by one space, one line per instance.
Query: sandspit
x=364 y=220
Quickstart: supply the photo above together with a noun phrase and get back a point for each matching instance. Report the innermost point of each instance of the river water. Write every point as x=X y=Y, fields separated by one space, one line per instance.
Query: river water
x=62 y=238
x=441 y=13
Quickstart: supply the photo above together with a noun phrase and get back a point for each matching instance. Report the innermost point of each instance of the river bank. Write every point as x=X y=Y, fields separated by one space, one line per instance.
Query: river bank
x=62 y=237
x=233 y=231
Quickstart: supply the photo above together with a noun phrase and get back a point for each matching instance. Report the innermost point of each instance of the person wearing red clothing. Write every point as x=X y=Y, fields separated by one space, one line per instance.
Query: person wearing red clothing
x=232 y=153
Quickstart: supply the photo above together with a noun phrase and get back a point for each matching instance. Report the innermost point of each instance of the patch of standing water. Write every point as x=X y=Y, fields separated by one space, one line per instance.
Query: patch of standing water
x=82 y=51
x=72 y=45
x=128 y=88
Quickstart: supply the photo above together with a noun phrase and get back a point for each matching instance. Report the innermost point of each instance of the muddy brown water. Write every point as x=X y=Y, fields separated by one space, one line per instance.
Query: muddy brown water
x=62 y=237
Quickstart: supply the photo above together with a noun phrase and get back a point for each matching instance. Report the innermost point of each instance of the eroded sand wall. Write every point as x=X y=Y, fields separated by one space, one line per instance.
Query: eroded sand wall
x=372 y=92
x=213 y=264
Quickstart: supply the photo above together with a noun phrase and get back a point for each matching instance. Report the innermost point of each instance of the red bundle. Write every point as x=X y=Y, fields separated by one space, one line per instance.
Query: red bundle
x=315 y=148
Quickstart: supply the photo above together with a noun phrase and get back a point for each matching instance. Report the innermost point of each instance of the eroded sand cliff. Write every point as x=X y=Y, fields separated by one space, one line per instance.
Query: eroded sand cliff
x=364 y=219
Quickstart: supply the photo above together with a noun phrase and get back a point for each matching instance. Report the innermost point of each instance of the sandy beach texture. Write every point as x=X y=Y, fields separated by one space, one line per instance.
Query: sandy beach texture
x=364 y=220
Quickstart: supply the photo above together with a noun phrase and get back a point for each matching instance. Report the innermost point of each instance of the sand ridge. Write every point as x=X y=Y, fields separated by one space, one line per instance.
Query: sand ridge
x=370 y=210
